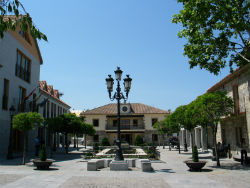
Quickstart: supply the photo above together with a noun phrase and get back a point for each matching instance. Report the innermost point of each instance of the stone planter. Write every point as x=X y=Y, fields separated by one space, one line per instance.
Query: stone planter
x=42 y=165
x=195 y=166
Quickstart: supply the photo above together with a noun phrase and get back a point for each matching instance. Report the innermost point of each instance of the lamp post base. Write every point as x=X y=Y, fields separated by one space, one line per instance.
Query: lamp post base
x=119 y=156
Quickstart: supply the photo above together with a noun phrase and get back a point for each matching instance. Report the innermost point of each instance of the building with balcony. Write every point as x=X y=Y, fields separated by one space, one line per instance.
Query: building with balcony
x=20 y=61
x=136 y=119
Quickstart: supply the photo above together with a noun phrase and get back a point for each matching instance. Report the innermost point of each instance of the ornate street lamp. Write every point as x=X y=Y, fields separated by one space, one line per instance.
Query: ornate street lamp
x=118 y=95
x=12 y=113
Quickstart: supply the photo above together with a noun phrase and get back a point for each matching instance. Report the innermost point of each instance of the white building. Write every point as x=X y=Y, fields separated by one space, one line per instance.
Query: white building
x=20 y=61
x=136 y=119
x=50 y=105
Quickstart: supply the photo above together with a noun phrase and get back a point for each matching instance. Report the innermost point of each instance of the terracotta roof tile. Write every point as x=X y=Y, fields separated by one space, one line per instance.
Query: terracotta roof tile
x=49 y=91
x=136 y=108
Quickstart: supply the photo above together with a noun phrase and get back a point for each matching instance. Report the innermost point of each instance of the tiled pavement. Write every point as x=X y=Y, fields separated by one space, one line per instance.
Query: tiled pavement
x=70 y=171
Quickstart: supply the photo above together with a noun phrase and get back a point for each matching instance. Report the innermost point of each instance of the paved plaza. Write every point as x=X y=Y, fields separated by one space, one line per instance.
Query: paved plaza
x=170 y=172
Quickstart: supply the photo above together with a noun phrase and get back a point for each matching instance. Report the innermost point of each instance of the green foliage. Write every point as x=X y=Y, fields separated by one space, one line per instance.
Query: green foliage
x=54 y=124
x=214 y=106
x=138 y=140
x=195 y=156
x=217 y=33
x=89 y=154
x=17 y=17
x=105 y=142
x=177 y=119
x=43 y=155
x=161 y=127
x=27 y=121
x=96 y=147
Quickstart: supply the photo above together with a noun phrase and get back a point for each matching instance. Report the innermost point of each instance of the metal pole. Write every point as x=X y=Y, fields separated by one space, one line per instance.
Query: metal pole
x=119 y=155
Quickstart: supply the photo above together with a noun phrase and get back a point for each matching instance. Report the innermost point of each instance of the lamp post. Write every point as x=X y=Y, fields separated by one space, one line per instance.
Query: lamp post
x=118 y=95
x=12 y=112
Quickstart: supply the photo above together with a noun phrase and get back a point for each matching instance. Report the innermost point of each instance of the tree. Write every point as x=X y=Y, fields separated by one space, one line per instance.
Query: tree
x=25 y=122
x=87 y=129
x=174 y=121
x=213 y=107
x=13 y=15
x=217 y=33
x=54 y=127
x=161 y=128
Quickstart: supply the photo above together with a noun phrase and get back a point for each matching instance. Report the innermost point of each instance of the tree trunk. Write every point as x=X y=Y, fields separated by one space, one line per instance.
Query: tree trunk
x=163 y=141
x=215 y=144
x=77 y=143
x=179 y=143
x=54 y=144
x=74 y=140
x=67 y=143
x=24 y=147
x=85 y=141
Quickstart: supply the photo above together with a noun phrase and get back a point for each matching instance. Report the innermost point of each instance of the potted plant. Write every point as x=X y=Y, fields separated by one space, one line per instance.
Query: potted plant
x=43 y=163
x=195 y=164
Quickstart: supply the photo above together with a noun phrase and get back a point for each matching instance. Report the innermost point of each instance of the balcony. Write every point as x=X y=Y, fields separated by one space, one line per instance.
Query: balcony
x=125 y=127
x=24 y=106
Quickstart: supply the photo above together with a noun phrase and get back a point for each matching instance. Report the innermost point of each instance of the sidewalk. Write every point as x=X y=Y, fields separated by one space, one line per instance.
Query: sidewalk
x=71 y=171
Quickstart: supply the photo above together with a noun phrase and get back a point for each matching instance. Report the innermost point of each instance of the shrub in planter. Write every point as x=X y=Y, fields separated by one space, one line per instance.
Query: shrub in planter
x=195 y=156
x=43 y=155
x=89 y=154
x=195 y=164
x=138 y=140
x=105 y=142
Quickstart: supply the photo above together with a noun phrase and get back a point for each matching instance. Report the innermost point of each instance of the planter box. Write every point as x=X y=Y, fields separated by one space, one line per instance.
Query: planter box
x=195 y=166
x=42 y=165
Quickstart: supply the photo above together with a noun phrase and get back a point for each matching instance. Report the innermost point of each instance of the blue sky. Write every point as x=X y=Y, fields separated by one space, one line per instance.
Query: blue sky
x=88 y=39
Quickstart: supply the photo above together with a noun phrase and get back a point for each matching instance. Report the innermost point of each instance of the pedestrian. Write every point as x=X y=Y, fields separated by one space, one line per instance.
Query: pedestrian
x=37 y=146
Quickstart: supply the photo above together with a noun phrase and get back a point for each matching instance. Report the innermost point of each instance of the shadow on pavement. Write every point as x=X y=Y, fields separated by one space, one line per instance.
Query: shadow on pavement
x=232 y=166
x=165 y=170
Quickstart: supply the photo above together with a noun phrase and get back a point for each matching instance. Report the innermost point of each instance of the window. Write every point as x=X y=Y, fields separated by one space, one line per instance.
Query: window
x=22 y=95
x=135 y=122
x=96 y=122
x=25 y=35
x=236 y=99
x=48 y=103
x=114 y=123
x=23 y=66
x=5 y=94
x=125 y=123
x=96 y=138
x=154 y=120
x=52 y=110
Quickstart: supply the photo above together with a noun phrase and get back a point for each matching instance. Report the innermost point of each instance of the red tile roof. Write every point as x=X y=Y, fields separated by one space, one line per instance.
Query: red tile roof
x=229 y=78
x=50 y=91
x=136 y=108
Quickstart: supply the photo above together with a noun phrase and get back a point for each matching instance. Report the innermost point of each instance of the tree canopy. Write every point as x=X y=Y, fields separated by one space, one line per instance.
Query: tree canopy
x=13 y=15
x=217 y=33
x=27 y=121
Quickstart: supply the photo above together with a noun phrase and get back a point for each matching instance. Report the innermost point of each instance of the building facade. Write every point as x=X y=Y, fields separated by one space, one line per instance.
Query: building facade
x=49 y=105
x=235 y=129
x=20 y=62
x=136 y=119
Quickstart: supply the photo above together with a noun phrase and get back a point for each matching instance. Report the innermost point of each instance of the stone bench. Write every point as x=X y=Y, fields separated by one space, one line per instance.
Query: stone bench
x=131 y=162
x=146 y=167
x=140 y=161
x=118 y=165
x=95 y=164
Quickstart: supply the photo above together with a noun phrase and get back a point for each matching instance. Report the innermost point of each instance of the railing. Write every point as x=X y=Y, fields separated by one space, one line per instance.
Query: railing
x=23 y=106
x=125 y=127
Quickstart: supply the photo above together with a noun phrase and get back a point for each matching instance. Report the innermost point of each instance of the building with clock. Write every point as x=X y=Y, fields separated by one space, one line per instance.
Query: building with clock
x=136 y=119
